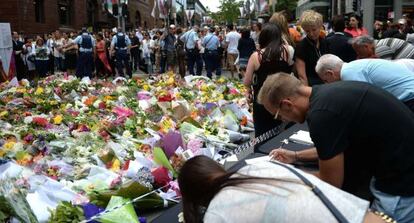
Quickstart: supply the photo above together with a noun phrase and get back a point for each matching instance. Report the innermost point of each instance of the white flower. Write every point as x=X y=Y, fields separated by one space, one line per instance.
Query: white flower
x=96 y=103
x=127 y=134
x=122 y=99
x=28 y=119
x=84 y=109
x=25 y=82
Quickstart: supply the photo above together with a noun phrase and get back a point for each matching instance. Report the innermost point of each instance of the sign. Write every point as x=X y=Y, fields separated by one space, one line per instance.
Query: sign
x=6 y=47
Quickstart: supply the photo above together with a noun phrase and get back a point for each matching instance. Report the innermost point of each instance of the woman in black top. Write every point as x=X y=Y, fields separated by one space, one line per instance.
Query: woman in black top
x=272 y=57
x=310 y=49
x=246 y=47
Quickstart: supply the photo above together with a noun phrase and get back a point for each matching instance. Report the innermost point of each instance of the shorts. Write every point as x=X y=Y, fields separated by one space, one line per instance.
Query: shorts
x=243 y=63
x=232 y=57
x=171 y=58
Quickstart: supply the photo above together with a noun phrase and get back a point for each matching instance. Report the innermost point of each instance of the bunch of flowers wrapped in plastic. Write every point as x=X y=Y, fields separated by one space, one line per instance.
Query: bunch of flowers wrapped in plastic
x=80 y=146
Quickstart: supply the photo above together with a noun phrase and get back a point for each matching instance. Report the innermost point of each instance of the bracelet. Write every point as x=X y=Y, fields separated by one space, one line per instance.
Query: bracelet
x=385 y=217
x=296 y=156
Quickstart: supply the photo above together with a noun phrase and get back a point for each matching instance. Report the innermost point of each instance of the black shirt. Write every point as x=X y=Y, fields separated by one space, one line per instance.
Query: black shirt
x=338 y=44
x=246 y=47
x=373 y=129
x=310 y=54
x=135 y=41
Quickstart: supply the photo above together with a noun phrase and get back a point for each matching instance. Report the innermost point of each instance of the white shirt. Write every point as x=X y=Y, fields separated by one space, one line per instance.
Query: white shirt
x=232 y=39
x=281 y=201
x=58 y=44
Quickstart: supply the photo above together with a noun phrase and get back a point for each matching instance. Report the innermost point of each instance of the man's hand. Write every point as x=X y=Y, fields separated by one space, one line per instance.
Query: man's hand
x=283 y=155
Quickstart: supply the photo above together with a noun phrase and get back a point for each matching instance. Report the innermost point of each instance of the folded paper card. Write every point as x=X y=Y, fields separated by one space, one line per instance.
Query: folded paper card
x=301 y=137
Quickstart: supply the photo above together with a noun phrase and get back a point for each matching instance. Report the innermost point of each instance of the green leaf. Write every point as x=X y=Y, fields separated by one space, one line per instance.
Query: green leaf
x=161 y=159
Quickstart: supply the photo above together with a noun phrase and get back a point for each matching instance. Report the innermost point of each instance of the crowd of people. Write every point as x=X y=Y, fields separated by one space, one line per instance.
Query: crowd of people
x=355 y=91
x=356 y=94
x=116 y=53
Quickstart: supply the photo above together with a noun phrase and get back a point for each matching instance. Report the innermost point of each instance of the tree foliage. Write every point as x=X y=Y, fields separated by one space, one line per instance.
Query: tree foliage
x=287 y=5
x=228 y=11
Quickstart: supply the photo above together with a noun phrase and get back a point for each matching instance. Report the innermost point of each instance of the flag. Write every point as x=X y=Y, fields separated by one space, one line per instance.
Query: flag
x=161 y=8
x=189 y=14
x=263 y=6
x=154 y=9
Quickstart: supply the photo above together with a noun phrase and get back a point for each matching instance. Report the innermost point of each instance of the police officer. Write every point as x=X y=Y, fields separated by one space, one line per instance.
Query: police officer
x=211 y=56
x=192 y=47
x=120 y=45
x=86 y=44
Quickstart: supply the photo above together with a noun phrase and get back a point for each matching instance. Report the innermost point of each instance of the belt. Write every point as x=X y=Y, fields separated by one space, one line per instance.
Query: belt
x=125 y=48
x=82 y=50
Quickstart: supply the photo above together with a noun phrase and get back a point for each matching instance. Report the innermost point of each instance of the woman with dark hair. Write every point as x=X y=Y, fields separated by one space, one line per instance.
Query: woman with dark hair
x=103 y=68
x=262 y=192
x=272 y=57
x=246 y=47
x=355 y=26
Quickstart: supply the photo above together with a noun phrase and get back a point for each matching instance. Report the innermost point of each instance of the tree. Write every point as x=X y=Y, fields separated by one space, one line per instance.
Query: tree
x=228 y=11
x=289 y=6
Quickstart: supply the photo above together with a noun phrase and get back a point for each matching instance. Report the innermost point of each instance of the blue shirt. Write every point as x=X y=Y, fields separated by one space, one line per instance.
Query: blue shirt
x=388 y=75
x=115 y=39
x=78 y=40
x=211 y=42
x=190 y=38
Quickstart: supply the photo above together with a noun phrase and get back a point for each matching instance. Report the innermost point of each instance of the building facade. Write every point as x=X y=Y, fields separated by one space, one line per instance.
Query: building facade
x=322 y=6
x=45 y=16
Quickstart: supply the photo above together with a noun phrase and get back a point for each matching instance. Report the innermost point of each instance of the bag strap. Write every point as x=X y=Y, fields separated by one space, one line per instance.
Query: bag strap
x=211 y=37
x=336 y=213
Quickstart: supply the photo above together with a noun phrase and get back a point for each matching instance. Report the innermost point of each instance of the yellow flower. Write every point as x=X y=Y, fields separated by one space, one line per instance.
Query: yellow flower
x=57 y=120
x=221 y=80
x=108 y=98
x=146 y=87
x=116 y=165
x=21 y=90
x=39 y=91
x=39 y=101
x=204 y=87
x=9 y=145
x=25 y=160
x=171 y=81
x=4 y=113
x=53 y=102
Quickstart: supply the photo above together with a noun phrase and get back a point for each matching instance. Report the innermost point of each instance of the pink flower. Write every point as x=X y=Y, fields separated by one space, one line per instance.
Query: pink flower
x=175 y=187
x=195 y=145
x=122 y=112
x=143 y=95
x=234 y=91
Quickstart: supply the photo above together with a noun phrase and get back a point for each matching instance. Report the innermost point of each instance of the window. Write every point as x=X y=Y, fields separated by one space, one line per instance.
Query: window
x=64 y=10
x=39 y=10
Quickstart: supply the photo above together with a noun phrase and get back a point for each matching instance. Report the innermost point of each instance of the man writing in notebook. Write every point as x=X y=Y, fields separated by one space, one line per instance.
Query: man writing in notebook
x=343 y=119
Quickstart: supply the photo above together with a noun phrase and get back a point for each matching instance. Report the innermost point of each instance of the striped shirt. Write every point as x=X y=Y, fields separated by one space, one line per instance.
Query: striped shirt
x=393 y=48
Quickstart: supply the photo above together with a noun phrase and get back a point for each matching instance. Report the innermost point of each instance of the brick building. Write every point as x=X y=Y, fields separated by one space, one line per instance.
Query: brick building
x=43 y=16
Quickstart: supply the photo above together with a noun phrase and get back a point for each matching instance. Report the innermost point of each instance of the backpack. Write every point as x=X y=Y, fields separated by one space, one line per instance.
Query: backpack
x=86 y=42
x=120 y=43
